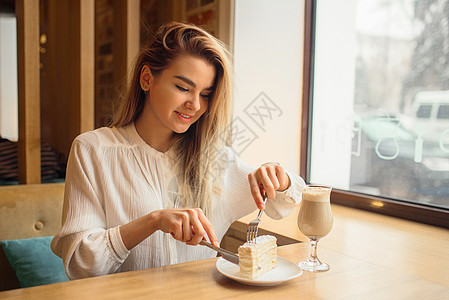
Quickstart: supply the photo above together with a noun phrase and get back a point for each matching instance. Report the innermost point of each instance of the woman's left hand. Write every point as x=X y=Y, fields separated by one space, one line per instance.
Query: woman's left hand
x=267 y=179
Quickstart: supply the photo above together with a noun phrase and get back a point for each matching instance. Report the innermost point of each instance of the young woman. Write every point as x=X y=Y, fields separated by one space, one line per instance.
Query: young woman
x=144 y=192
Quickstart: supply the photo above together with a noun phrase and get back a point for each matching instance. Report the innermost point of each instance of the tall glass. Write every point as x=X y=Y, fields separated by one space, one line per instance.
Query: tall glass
x=315 y=221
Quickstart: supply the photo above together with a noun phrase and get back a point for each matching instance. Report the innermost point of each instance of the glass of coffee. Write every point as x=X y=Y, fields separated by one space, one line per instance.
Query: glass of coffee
x=315 y=221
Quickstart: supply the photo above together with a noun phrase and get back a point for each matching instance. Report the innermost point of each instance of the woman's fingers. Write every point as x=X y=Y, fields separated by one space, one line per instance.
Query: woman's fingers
x=186 y=228
x=172 y=222
x=200 y=227
x=263 y=179
x=187 y=225
x=196 y=227
x=255 y=191
x=209 y=228
x=284 y=180
x=269 y=178
x=273 y=179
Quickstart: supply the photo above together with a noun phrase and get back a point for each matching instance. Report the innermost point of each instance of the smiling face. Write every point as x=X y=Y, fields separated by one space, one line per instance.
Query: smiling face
x=176 y=98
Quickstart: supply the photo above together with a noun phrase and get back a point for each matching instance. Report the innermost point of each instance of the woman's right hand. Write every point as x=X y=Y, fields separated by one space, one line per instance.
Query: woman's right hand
x=186 y=225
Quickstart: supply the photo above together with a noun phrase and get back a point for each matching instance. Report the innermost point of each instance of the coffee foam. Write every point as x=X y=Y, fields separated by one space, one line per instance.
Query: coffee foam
x=316 y=194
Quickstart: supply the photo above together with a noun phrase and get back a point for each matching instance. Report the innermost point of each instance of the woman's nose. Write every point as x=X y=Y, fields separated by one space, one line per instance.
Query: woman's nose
x=193 y=103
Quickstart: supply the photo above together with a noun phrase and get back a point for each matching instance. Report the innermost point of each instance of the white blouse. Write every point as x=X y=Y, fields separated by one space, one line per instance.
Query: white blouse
x=114 y=177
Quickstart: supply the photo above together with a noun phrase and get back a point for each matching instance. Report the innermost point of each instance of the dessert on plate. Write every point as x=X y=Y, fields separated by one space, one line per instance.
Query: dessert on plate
x=258 y=258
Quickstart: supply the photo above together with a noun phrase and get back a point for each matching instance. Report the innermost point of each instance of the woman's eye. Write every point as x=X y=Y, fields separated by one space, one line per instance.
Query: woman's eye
x=206 y=96
x=182 y=89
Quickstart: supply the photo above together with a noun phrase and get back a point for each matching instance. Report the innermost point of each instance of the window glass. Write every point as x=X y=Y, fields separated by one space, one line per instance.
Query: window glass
x=380 y=104
x=423 y=111
x=443 y=111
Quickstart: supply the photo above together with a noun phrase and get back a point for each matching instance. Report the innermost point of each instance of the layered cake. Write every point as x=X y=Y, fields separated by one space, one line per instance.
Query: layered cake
x=258 y=258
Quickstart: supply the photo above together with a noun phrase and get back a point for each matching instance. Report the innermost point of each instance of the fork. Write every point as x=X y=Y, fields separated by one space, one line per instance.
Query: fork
x=253 y=226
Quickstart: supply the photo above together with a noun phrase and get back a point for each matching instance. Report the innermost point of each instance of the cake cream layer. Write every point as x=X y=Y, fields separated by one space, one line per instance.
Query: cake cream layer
x=258 y=258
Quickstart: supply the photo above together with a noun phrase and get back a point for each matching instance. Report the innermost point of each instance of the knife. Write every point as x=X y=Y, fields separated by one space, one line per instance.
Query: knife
x=228 y=255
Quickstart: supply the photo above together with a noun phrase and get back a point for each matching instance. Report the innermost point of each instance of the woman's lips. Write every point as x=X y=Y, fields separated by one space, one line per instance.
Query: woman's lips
x=184 y=117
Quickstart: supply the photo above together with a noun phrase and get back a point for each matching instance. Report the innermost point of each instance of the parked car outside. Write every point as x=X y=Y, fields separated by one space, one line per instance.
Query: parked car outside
x=394 y=161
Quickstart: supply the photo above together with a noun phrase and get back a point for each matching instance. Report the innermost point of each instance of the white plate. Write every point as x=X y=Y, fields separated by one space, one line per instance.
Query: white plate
x=284 y=271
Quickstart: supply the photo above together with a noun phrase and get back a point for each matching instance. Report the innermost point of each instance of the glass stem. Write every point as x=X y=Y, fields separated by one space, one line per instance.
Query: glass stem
x=313 y=255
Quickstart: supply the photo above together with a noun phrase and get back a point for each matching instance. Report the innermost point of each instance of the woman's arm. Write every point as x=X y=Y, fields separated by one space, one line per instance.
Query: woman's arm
x=87 y=247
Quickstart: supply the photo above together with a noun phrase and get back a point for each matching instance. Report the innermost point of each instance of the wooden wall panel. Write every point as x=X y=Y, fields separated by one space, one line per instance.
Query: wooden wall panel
x=86 y=23
x=126 y=38
x=68 y=108
x=27 y=13
x=225 y=22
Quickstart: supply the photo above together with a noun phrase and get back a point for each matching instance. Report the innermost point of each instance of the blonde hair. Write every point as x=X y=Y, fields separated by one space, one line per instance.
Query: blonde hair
x=198 y=149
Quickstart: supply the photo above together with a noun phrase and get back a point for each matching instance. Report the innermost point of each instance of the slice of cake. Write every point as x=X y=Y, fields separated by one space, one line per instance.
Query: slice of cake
x=258 y=258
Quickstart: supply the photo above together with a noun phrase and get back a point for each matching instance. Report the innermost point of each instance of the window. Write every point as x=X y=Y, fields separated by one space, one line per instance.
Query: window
x=443 y=112
x=377 y=104
x=424 y=111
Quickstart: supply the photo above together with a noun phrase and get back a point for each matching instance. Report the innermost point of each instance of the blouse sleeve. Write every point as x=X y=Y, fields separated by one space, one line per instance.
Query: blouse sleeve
x=84 y=243
x=239 y=196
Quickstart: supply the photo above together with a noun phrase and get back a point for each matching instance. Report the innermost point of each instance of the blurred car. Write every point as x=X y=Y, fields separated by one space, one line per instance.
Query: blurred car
x=398 y=163
x=430 y=115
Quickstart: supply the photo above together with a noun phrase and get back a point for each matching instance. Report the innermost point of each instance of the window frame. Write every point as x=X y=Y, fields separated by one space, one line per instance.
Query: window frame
x=382 y=205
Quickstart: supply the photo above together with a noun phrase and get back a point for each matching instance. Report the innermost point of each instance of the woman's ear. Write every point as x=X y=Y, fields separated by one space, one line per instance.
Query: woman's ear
x=145 y=78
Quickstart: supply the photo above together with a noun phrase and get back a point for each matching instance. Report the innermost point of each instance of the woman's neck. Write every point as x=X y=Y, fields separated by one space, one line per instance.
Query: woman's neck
x=157 y=140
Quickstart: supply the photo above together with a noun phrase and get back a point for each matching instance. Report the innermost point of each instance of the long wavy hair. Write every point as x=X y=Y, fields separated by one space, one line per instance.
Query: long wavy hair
x=197 y=150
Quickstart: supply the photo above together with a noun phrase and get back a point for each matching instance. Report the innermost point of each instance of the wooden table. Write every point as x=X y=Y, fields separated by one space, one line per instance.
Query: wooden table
x=371 y=257
x=411 y=248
